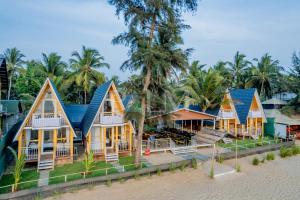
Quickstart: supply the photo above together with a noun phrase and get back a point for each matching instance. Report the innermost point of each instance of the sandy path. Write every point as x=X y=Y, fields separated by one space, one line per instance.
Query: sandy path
x=279 y=179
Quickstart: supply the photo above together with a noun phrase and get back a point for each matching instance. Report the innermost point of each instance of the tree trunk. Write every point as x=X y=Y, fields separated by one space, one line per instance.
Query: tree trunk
x=143 y=115
x=84 y=97
x=9 y=88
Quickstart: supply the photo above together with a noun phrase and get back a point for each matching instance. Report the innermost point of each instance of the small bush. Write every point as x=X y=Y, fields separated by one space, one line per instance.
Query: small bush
x=212 y=172
x=136 y=176
x=172 y=168
x=194 y=163
x=283 y=152
x=108 y=183
x=296 y=150
x=158 y=171
x=263 y=160
x=255 y=161
x=289 y=152
x=220 y=159
x=238 y=168
x=270 y=156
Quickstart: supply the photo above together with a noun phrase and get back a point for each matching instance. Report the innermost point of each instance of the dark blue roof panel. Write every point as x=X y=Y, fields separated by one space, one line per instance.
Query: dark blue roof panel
x=92 y=109
x=242 y=99
x=126 y=100
x=76 y=113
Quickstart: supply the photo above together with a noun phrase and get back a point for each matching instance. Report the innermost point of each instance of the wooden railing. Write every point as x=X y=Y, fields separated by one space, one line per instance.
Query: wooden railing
x=224 y=114
x=31 y=153
x=123 y=146
x=62 y=150
x=96 y=148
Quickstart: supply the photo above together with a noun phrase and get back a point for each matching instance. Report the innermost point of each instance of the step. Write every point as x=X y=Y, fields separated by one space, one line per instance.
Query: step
x=45 y=164
x=111 y=157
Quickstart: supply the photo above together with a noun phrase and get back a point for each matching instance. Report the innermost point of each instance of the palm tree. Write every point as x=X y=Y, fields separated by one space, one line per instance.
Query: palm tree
x=52 y=65
x=203 y=88
x=150 y=24
x=84 y=68
x=238 y=68
x=263 y=75
x=14 y=60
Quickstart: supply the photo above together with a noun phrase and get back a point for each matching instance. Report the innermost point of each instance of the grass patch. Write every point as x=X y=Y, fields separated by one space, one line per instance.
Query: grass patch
x=270 y=156
x=129 y=161
x=26 y=176
x=75 y=169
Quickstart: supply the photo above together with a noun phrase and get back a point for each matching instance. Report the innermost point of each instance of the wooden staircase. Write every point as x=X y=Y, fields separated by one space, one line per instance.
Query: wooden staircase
x=46 y=162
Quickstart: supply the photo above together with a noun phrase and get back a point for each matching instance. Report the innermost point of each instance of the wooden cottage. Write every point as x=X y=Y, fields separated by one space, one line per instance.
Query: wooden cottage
x=241 y=113
x=47 y=134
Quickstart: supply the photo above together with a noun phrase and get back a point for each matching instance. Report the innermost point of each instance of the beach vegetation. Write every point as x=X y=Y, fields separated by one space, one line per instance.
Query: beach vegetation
x=255 y=161
x=270 y=156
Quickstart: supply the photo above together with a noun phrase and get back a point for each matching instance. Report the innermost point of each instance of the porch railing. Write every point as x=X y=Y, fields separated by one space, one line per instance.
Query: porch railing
x=46 y=120
x=30 y=153
x=96 y=148
x=226 y=114
x=110 y=118
x=123 y=146
x=62 y=150
x=255 y=114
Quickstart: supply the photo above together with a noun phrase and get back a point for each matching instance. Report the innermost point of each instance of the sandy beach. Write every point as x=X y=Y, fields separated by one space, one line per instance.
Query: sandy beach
x=278 y=179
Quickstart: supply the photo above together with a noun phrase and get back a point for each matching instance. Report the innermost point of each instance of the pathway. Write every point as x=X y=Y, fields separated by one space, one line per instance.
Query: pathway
x=44 y=178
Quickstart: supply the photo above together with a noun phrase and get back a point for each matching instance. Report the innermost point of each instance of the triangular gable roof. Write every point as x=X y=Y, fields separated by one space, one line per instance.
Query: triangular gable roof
x=242 y=99
x=57 y=95
x=95 y=105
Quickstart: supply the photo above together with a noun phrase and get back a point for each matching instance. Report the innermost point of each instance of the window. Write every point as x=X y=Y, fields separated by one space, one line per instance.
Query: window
x=62 y=135
x=48 y=106
x=34 y=135
x=119 y=133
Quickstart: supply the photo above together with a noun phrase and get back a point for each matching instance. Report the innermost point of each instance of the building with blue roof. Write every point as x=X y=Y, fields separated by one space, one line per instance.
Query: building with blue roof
x=47 y=134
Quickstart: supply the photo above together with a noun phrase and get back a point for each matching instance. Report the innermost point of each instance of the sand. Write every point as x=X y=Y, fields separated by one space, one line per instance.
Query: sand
x=278 y=179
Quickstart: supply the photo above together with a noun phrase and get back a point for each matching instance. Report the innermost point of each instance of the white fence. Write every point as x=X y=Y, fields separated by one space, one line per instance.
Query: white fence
x=63 y=150
x=30 y=153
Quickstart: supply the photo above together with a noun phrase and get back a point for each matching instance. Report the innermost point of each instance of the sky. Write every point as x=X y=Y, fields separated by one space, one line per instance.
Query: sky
x=219 y=29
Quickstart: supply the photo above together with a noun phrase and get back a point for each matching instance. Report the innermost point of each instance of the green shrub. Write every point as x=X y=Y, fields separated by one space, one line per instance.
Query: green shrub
x=220 y=159
x=263 y=160
x=172 y=168
x=182 y=167
x=289 y=152
x=194 y=163
x=295 y=150
x=212 y=172
x=270 y=156
x=238 y=168
x=283 y=152
x=136 y=176
x=158 y=171
x=255 y=161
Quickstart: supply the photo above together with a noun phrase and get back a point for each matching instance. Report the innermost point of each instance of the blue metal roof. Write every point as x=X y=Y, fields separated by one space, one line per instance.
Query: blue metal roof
x=242 y=99
x=76 y=113
x=126 y=100
x=94 y=106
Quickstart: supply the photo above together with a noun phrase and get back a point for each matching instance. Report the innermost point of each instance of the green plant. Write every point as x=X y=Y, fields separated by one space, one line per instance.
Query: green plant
x=136 y=176
x=238 y=168
x=172 y=168
x=37 y=197
x=212 y=172
x=255 y=161
x=158 y=171
x=289 y=152
x=108 y=183
x=220 y=159
x=283 y=152
x=295 y=150
x=194 y=163
x=270 y=156
x=20 y=162
x=88 y=162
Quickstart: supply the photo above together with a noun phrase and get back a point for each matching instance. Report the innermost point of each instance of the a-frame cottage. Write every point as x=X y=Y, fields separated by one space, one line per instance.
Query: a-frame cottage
x=104 y=128
x=241 y=113
x=46 y=135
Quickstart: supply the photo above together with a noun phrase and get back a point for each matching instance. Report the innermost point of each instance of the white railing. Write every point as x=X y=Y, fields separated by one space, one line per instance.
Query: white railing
x=123 y=146
x=30 y=153
x=47 y=120
x=110 y=118
x=96 y=148
x=62 y=150
x=226 y=114
x=255 y=114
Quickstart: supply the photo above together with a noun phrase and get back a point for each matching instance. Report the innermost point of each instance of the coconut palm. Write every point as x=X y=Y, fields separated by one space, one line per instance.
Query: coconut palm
x=238 y=69
x=263 y=75
x=14 y=60
x=52 y=65
x=150 y=24
x=84 y=67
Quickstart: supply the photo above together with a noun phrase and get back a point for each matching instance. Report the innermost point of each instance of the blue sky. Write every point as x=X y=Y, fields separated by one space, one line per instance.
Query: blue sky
x=219 y=29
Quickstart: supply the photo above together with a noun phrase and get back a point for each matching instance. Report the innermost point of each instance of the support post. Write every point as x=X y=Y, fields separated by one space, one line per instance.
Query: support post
x=191 y=126
x=214 y=123
x=235 y=127
x=255 y=126
x=54 y=143
x=20 y=144
x=104 y=134
x=71 y=144
x=40 y=135
x=117 y=138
